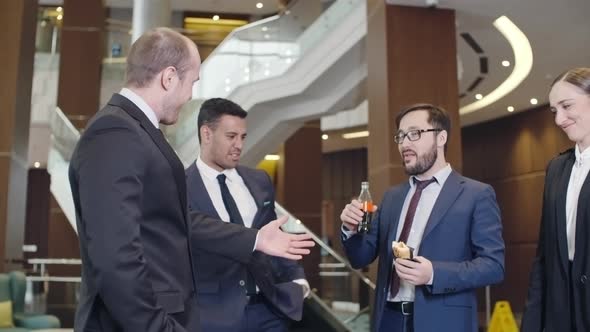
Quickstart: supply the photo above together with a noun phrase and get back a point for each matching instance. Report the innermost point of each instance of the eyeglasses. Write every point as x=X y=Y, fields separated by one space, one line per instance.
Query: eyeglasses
x=413 y=135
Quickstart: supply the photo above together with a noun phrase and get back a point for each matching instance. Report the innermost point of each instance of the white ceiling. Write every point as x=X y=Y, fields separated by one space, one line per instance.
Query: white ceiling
x=558 y=31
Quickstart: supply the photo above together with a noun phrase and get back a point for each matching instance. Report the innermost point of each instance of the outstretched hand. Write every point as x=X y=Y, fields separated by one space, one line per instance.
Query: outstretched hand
x=273 y=241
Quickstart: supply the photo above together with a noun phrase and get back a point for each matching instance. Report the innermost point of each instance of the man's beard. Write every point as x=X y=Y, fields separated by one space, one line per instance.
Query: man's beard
x=423 y=163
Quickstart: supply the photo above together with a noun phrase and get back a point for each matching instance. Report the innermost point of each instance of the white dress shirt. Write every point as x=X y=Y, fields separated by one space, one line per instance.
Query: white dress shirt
x=577 y=178
x=240 y=193
x=142 y=105
x=429 y=196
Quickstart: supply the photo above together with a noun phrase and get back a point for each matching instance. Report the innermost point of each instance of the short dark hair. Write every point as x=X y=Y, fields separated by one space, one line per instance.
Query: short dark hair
x=437 y=117
x=213 y=109
x=152 y=52
x=579 y=77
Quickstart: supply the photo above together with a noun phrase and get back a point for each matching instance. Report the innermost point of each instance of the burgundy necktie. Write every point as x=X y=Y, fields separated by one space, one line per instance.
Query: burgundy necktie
x=403 y=237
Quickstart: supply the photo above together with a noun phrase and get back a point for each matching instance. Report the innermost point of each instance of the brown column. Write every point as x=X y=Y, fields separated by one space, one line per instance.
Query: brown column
x=81 y=51
x=299 y=187
x=17 y=38
x=412 y=57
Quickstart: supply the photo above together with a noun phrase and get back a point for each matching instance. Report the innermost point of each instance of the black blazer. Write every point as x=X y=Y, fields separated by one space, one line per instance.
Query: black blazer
x=549 y=306
x=129 y=191
x=222 y=293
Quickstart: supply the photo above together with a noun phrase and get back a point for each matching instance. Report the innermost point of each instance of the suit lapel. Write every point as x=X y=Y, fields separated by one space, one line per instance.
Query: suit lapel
x=158 y=138
x=199 y=195
x=257 y=192
x=581 y=222
x=447 y=196
x=560 y=211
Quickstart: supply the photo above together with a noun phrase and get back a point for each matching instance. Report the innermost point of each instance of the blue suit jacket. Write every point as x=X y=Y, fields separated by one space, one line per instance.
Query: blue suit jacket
x=462 y=239
x=222 y=294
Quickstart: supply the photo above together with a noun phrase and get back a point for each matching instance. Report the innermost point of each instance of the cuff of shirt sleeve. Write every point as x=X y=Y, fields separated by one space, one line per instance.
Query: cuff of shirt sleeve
x=346 y=233
x=429 y=283
x=255 y=242
x=305 y=285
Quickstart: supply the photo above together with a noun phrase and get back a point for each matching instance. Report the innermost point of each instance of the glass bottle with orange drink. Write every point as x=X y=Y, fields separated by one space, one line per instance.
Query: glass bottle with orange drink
x=365 y=198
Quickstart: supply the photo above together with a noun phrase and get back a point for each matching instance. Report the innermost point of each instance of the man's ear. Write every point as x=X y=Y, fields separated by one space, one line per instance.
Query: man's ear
x=169 y=75
x=206 y=133
x=442 y=138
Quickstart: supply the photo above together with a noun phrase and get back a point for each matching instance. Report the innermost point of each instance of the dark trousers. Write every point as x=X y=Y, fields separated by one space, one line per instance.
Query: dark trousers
x=394 y=321
x=259 y=317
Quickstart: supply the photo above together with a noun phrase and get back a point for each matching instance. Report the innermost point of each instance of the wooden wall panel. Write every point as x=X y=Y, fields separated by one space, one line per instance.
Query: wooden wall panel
x=511 y=154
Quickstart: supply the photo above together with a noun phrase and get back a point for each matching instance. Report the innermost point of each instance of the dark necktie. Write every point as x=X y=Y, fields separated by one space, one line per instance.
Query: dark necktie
x=236 y=218
x=230 y=205
x=403 y=237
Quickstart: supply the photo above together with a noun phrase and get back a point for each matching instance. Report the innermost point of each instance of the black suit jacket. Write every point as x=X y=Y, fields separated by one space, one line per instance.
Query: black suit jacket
x=222 y=293
x=129 y=191
x=549 y=301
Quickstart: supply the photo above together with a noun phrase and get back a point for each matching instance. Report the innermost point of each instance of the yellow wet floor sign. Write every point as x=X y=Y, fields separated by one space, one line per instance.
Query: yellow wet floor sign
x=502 y=318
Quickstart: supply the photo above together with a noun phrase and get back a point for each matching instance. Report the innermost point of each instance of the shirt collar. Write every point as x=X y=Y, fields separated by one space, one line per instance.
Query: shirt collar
x=441 y=176
x=212 y=173
x=582 y=156
x=142 y=105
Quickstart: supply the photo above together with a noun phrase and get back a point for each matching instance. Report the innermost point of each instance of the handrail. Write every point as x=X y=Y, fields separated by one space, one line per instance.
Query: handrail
x=301 y=227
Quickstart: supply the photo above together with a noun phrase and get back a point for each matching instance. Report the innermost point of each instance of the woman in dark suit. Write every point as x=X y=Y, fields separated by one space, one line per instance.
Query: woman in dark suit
x=559 y=288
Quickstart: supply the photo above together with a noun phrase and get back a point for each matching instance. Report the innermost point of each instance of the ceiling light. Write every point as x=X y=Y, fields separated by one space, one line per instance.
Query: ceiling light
x=266 y=72
x=523 y=62
x=325 y=137
x=215 y=17
x=36 y=164
x=264 y=29
x=59 y=9
x=288 y=52
x=227 y=88
x=505 y=63
x=356 y=134
x=287 y=12
x=478 y=96
x=272 y=157
x=59 y=17
x=266 y=36
x=247 y=70
x=510 y=109
x=259 y=5
x=227 y=81
x=288 y=60
x=246 y=78
x=534 y=101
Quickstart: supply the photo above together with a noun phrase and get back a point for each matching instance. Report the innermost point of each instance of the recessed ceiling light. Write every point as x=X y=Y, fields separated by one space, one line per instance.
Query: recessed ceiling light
x=227 y=80
x=478 y=96
x=266 y=72
x=215 y=17
x=325 y=137
x=247 y=70
x=534 y=101
x=505 y=63
x=265 y=29
x=510 y=109
x=266 y=36
x=259 y=5
x=227 y=88
x=37 y=164
x=59 y=17
x=59 y=9
x=288 y=60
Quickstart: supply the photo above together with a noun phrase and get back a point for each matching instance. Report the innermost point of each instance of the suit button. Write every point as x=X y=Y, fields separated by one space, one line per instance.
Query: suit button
x=242 y=283
x=583 y=279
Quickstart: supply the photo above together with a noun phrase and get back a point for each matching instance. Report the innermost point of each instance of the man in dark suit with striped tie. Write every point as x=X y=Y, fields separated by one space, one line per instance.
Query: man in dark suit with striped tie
x=267 y=292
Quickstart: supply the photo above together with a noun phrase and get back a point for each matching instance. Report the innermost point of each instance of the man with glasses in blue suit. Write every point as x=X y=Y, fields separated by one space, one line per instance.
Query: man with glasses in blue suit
x=451 y=222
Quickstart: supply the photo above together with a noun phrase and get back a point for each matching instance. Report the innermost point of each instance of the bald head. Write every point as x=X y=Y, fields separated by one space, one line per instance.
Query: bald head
x=154 y=51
